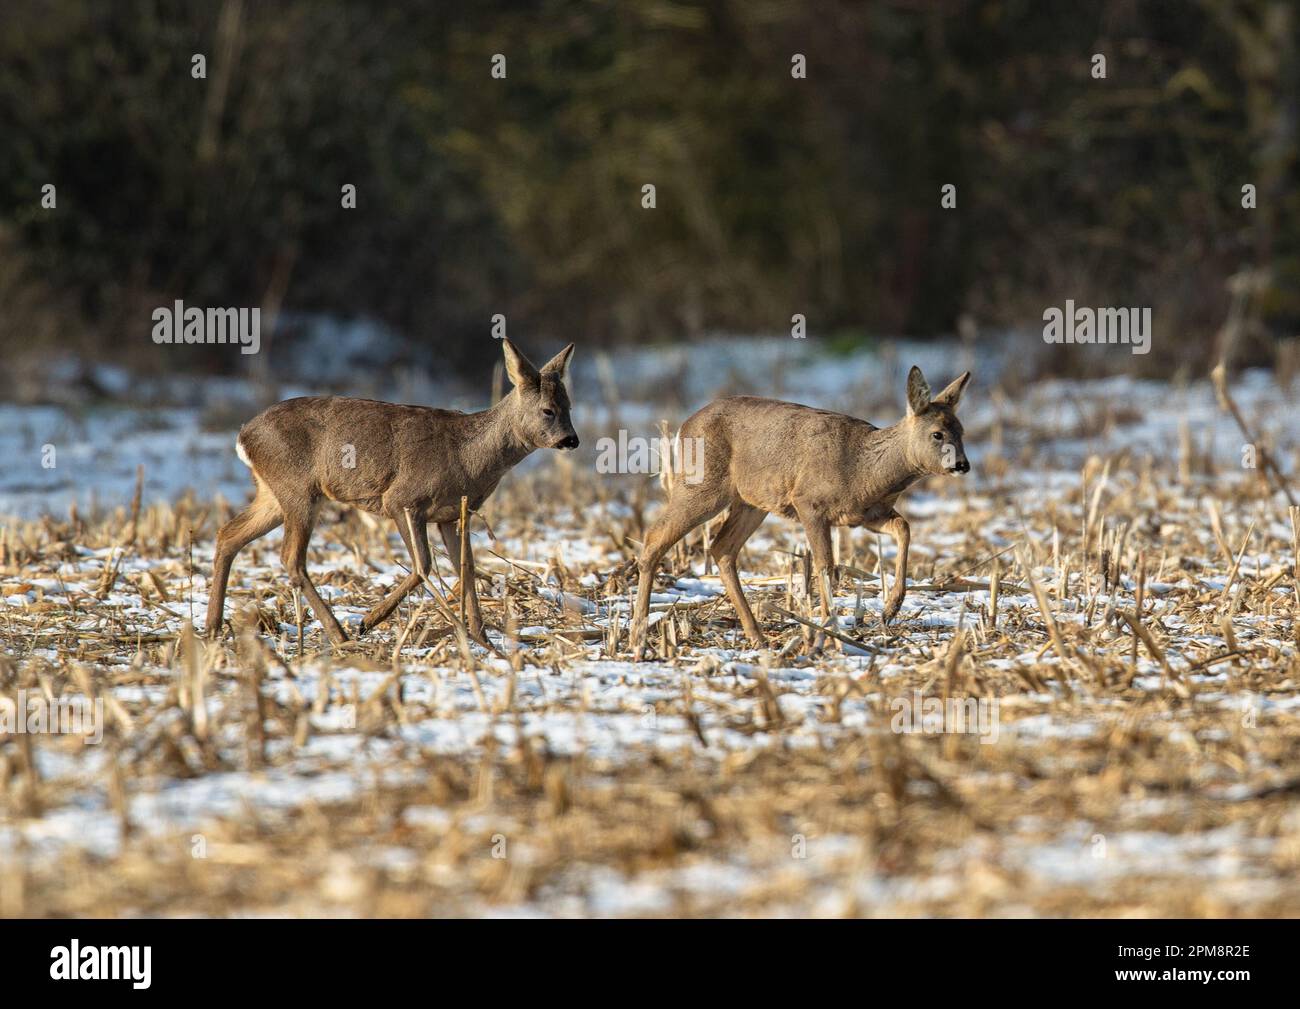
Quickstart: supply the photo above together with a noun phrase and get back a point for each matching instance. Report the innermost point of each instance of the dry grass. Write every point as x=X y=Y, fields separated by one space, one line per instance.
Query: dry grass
x=1136 y=627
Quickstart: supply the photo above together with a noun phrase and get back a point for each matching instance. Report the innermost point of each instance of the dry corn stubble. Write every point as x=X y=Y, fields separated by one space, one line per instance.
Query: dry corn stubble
x=1135 y=627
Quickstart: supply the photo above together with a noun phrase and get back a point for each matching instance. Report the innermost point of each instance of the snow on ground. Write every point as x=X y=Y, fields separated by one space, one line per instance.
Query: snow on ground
x=719 y=779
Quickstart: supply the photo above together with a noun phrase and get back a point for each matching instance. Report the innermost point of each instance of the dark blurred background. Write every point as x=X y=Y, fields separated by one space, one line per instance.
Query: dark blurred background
x=522 y=196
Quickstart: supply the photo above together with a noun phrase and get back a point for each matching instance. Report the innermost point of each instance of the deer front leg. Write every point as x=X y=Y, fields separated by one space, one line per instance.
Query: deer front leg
x=819 y=540
x=451 y=540
x=896 y=526
x=415 y=535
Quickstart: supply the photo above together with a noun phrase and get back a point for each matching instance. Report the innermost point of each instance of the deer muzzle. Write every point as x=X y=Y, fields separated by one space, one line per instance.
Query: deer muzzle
x=570 y=442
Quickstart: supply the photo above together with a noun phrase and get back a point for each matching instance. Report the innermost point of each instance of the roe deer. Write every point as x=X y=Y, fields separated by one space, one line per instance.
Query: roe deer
x=409 y=463
x=823 y=468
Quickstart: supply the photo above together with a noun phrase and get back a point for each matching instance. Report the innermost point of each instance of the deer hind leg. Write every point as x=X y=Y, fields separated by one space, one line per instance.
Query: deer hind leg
x=896 y=526
x=741 y=522
x=259 y=518
x=451 y=540
x=298 y=527
x=419 y=551
x=683 y=513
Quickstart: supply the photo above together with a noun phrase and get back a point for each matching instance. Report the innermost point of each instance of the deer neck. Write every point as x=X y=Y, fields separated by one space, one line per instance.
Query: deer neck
x=887 y=469
x=495 y=443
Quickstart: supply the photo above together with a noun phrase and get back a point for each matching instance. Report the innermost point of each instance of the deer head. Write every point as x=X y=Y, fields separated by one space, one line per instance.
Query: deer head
x=542 y=401
x=932 y=431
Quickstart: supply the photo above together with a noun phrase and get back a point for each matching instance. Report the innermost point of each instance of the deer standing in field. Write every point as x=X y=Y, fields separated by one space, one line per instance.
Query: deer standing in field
x=825 y=469
x=409 y=463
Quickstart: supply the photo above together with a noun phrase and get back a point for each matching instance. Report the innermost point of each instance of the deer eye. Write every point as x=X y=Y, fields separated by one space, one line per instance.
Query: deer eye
x=547 y=412
x=937 y=436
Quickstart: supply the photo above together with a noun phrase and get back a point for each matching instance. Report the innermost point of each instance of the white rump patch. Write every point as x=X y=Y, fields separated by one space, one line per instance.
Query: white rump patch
x=243 y=456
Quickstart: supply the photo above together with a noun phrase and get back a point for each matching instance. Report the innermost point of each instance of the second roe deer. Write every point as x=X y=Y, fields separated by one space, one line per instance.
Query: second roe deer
x=409 y=463
x=825 y=469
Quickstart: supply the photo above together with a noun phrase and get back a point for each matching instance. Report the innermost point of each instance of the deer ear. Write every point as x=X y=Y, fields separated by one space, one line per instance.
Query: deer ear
x=559 y=364
x=918 y=392
x=519 y=369
x=951 y=396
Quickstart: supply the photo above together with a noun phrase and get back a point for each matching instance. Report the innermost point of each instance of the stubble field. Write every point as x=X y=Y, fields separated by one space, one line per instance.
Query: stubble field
x=1110 y=598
